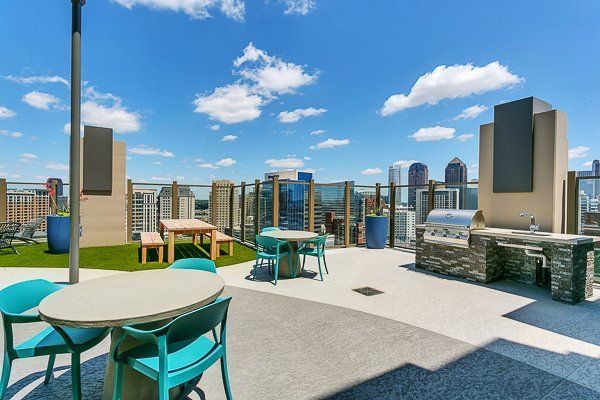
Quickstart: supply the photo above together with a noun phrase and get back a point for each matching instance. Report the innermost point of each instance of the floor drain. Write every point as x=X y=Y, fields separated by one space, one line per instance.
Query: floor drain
x=367 y=291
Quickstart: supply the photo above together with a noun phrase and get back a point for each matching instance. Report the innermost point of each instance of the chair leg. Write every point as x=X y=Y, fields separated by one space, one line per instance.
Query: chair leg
x=276 y=270
x=325 y=262
x=320 y=272
x=15 y=250
x=255 y=267
x=76 y=375
x=49 y=368
x=118 y=382
x=225 y=377
x=303 y=261
x=163 y=388
x=6 y=366
x=144 y=253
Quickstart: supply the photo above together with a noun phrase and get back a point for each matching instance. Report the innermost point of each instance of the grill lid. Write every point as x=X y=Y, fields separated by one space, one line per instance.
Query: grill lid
x=465 y=219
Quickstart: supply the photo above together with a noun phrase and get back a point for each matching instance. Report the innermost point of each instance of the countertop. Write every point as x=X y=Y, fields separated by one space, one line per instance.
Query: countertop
x=538 y=237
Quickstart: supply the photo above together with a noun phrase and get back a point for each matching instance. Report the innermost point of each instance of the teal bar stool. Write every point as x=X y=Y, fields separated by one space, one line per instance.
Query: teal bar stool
x=269 y=229
x=15 y=300
x=315 y=248
x=271 y=249
x=201 y=264
x=177 y=352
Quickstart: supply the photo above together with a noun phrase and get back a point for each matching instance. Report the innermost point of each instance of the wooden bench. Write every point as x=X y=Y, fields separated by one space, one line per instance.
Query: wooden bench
x=221 y=238
x=151 y=240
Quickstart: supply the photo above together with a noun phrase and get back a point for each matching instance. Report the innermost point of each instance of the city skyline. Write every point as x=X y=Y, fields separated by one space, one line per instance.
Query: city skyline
x=281 y=90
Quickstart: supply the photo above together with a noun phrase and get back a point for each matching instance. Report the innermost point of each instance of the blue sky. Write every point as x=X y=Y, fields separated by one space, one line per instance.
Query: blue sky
x=232 y=89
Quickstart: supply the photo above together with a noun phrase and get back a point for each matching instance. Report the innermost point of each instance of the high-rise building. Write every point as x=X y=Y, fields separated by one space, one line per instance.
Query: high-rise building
x=587 y=205
x=590 y=186
x=329 y=211
x=404 y=225
x=187 y=202
x=443 y=198
x=394 y=174
x=23 y=205
x=220 y=201
x=293 y=199
x=418 y=174
x=456 y=175
x=144 y=214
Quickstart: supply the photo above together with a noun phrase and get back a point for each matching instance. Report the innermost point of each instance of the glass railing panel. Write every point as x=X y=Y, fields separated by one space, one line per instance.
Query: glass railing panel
x=329 y=211
x=404 y=219
x=28 y=201
x=237 y=213
x=364 y=204
x=250 y=214
x=293 y=205
x=265 y=205
x=147 y=207
x=588 y=213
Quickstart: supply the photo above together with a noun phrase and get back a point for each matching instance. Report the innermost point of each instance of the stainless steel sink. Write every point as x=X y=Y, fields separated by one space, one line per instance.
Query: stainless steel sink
x=529 y=233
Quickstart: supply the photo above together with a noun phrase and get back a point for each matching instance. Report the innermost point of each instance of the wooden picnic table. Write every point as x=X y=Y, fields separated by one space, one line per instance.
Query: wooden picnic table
x=192 y=227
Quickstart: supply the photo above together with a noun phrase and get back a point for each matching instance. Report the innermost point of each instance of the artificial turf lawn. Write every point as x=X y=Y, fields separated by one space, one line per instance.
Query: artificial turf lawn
x=122 y=258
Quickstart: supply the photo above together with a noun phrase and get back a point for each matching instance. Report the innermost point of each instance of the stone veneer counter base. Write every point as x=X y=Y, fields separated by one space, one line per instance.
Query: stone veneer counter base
x=570 y=260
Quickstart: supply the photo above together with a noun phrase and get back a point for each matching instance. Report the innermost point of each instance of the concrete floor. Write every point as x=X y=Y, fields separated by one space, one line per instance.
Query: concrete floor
x=425 y=337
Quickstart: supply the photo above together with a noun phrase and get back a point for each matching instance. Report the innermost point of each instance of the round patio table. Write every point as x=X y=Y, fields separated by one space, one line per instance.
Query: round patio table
x=294 y=238
x=146 y=297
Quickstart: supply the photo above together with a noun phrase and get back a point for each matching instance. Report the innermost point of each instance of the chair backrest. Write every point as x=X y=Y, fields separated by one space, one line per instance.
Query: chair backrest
x=31 y=227
x=201 y=264
x=7 y=233
x=269 y=229
x=266 y=242
x=194 y=324
x=321 y=241
x=23 y=296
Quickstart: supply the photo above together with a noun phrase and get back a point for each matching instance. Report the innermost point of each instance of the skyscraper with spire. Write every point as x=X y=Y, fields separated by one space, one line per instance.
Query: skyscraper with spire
x=418 y=174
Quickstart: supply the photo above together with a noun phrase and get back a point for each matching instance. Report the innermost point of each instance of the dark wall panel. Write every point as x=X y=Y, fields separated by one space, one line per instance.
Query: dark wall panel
x=97 y=160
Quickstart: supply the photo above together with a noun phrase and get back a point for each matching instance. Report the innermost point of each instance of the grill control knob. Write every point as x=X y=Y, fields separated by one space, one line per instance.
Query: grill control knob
x=444 y=234
x=432 y=233
x=457 y=236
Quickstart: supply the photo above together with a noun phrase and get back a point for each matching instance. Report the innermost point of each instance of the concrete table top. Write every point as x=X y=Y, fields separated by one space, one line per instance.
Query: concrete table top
x=290 y=235
x=131 y=298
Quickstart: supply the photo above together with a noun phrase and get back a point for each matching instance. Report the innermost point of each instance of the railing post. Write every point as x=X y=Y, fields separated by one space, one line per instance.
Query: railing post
x=377 y=195
x=392 y=199
x=572 y=203
x=347 y=214
x=431 y=196
x=3 y=200
x=231 y=203
x=54 y=198
x=275 y=201
x=175 y=200
x=243 y=212
x=256 y=206
x=213 y=204
x=311 y=205
x=129 y=210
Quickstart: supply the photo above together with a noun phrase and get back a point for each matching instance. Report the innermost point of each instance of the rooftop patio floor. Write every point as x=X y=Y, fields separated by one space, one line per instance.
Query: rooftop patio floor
x=425 y=337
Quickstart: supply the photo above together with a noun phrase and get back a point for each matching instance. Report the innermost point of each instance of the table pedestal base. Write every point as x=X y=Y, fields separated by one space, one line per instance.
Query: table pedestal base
x=295 y=269
x=136 y=386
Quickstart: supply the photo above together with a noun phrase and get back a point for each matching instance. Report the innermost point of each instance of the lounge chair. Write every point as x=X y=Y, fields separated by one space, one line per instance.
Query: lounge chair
x=7 y=235
x=29 y=229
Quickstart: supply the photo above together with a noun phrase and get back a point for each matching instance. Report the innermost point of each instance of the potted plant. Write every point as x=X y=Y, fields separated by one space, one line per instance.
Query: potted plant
x=58 y=226
x=376 y=228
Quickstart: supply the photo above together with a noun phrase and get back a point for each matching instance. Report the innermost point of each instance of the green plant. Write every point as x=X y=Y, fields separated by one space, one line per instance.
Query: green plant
x=378 y=212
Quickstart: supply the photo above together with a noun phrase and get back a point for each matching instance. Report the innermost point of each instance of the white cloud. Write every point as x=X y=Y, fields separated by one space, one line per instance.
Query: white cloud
x=110 y=115
x=433 y=134
x=6 y=113
x=404 y=163
x=230 y=104
x=329 y=143
x=6 y=175
x=270 y=74
x=471 y=112
x=578 y=152
x=156 y=162
x=162 y=178
x=15 y=135
x=451 y=82
x=287 y=117
x=307 y=158
x=207 y=166
x=318 y=132
x=40 y=100
x=67 y=129
x=226 y=162
x=29 y=156
x=371 y=171
x=288 y=162
x=196 y=9
x=228 y=138
x=57 y=166
x=37 y=79
x=300 y=7
x=587 y=164
x=215 y=127
x=145 y=150
x=465 y=137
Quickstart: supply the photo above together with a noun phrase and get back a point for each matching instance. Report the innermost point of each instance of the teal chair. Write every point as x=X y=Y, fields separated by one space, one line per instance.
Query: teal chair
x=271 y=249
x=314 y=248
x=177 y=352
x=15 y=300
x=201 y=264
x=269 y=229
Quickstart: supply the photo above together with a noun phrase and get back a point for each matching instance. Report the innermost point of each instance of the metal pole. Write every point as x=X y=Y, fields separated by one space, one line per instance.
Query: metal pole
x=74 y=155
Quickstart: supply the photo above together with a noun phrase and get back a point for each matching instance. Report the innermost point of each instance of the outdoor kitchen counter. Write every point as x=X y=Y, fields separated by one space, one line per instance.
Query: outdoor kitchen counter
x=570 y=260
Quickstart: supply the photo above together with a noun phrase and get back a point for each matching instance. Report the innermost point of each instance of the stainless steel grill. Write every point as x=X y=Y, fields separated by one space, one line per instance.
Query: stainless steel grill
x=452 y=227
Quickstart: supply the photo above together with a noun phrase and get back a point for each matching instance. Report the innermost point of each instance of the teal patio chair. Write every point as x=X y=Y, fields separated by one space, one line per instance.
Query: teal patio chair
x=177 y=352
x=201 y=264
x=15 y=300
x=271 y=249
x=269 y=229
x=314 y=248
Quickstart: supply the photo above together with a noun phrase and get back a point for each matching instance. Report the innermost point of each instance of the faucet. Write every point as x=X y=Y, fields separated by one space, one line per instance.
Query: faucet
x=533 y=228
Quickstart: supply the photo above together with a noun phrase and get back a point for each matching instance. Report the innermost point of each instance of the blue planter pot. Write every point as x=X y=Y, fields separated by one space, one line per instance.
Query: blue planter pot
x=58 y=229
x=376 y=231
